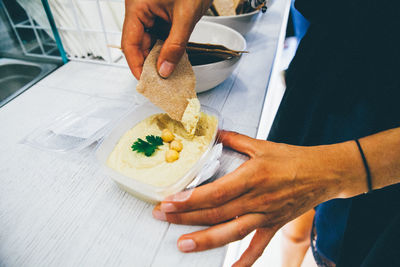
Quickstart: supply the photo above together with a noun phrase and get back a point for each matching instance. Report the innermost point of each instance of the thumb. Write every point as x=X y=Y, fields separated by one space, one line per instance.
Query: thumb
x=182 y=26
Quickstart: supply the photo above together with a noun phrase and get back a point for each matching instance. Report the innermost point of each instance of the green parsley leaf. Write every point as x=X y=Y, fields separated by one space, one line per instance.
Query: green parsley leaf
x=154 y=140
x=148 y=148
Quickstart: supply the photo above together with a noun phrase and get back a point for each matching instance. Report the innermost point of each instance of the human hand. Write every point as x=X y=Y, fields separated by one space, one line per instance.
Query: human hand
x=142 y=14
x=278 y=183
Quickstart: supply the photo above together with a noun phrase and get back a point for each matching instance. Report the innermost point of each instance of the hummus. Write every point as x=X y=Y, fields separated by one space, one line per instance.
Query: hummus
x=191 y=115
x=154 y=170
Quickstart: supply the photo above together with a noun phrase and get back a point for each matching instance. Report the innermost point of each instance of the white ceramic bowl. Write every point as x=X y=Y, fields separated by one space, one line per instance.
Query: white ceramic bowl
x=242 y=23
x=210 y=75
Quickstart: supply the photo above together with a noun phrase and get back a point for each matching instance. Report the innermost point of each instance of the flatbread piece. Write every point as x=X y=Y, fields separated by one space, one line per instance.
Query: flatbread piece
x=170 y=94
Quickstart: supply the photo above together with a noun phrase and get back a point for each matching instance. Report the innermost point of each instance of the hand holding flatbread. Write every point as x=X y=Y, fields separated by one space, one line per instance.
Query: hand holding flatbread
x=176 y=95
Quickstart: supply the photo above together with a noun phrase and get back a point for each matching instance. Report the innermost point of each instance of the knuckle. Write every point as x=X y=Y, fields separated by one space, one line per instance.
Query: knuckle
x=232 y=136
x=176 y=47
x=241 y=231
x=269 y=220
x=265 y=200
x=228 y=136
x=214 y=215
x=125 y=47
x=175 y=218
x=261 y=203
x=253 y=144
x=219 y=196
x=207 y=241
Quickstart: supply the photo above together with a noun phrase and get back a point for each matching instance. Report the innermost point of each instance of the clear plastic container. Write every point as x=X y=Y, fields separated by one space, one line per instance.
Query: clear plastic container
x=78 y=129
x=146 y=192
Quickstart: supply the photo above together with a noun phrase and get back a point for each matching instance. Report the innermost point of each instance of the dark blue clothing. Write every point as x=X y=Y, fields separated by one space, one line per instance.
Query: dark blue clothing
x=300 y=24
x=343 y=84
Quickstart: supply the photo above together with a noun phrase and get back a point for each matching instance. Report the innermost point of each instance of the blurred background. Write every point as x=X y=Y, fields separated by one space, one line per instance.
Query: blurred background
x=87 y=29
x=21 y=34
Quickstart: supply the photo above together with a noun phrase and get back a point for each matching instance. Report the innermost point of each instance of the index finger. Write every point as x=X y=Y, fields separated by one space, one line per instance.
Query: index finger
x=174 y=47
x=239 y=142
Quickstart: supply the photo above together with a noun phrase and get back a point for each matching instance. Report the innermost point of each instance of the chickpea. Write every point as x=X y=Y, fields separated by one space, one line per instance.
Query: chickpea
x=171 y=155
x=167 y=135
x=176 y=145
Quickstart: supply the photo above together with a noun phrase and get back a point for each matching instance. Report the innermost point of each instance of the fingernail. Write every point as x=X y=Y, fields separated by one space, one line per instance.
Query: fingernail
x=168 y=207
x=166 y=69
x=159 y=215
x=186 y=245
x=181 y=196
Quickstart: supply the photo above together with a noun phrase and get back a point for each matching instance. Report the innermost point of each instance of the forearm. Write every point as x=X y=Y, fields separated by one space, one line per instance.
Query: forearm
x=341 y=165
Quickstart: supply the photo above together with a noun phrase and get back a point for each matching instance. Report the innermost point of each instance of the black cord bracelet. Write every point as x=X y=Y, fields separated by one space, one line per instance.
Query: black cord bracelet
x=369 y=183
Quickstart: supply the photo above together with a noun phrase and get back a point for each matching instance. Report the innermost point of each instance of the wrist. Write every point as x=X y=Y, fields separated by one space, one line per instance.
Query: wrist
x=336 y=169
x=343 y=164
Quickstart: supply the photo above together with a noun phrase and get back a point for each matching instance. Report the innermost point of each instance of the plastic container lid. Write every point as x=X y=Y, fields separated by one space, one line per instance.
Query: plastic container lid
x=76 y=130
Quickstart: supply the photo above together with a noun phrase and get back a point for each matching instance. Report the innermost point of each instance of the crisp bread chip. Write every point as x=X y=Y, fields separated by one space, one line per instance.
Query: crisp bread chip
x=225 y=7
x=169 y=94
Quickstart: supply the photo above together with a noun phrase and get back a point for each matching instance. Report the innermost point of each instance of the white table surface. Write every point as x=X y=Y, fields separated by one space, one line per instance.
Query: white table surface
x=60 y=210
